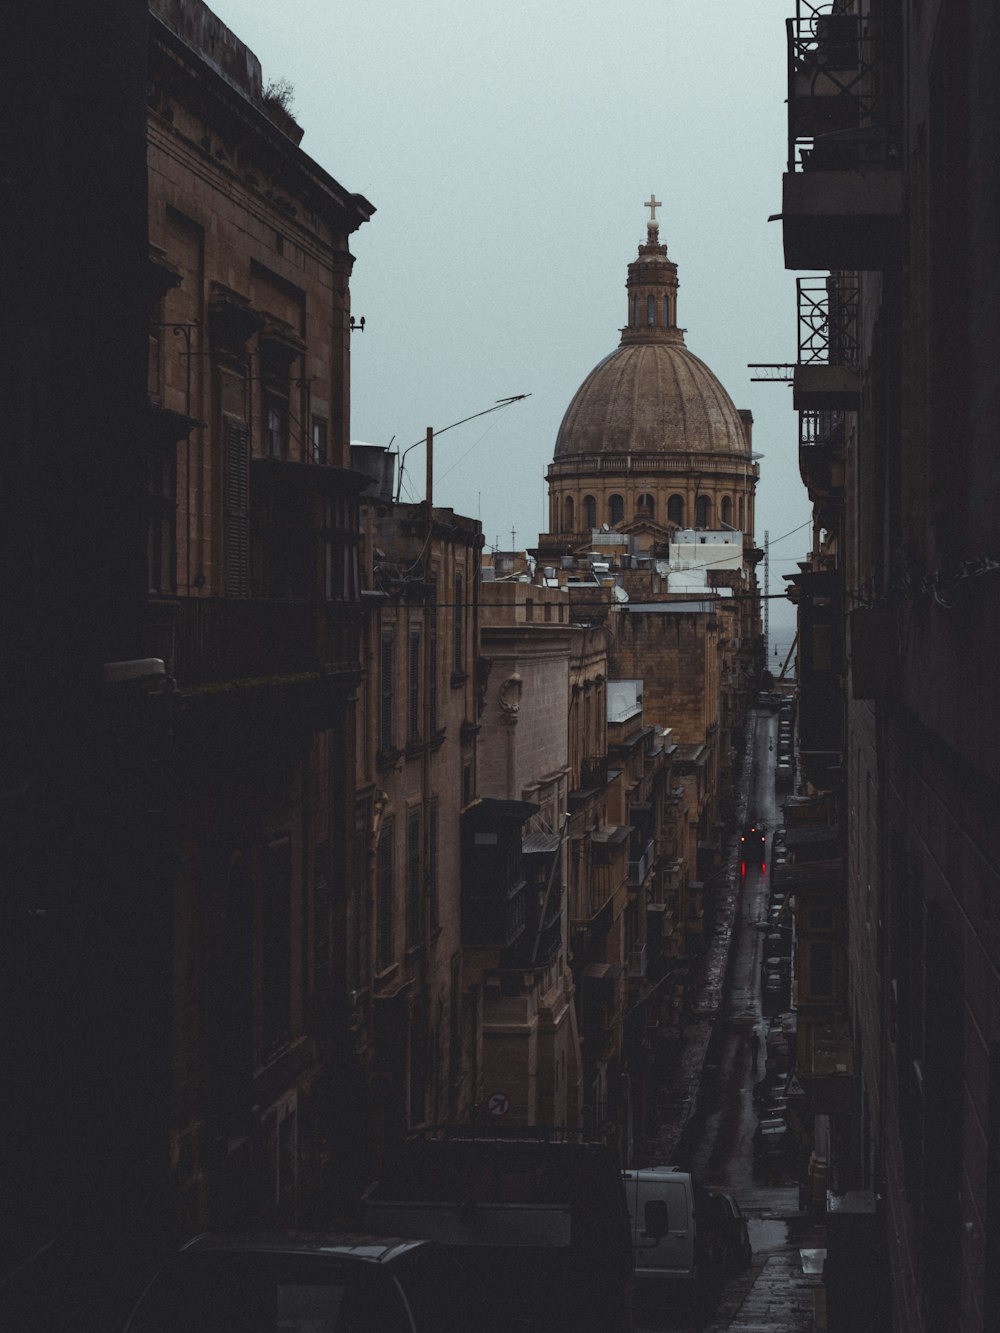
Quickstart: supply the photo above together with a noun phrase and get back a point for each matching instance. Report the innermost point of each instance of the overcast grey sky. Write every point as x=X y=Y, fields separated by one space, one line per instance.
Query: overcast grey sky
x=508 y=150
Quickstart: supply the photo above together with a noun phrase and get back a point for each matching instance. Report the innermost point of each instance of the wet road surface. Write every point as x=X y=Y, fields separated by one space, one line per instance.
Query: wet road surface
x=778 y=1293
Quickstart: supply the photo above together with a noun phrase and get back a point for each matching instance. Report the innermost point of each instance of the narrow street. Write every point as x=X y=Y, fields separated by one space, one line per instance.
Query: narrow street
x=780 y=1292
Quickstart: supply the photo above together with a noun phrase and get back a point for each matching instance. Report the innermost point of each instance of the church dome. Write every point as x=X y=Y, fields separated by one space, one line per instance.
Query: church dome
x=651 y=397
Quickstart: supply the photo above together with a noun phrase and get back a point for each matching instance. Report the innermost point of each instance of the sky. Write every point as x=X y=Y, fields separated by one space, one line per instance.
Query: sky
x=508 y=150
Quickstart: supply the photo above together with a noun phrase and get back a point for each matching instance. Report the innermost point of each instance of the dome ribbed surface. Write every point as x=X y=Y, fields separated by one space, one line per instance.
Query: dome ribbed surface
x=651 y=398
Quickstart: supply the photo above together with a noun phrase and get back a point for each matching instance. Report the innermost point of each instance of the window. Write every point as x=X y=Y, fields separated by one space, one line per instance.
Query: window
x=386 y=684
x=237 y=509
x=635 y=312
x=568 y=514
x=318 y=440
x=820 y=970
x=727 y=511
x=384 y=957
x=413 y=700
x=666 y=312
x=161 y=520
x=338 y=540
x=276 y=412
x=590 y=511
x=432 y=655
x=458 y=660
x=322 y=940
x=675 y=510
x=432 y=866
x=645 y=507
x=650 y=310
x=529 y=608
x=701 y=507
x=742 y=521
x=276 y=948
x=616 y=509
x=414 y=905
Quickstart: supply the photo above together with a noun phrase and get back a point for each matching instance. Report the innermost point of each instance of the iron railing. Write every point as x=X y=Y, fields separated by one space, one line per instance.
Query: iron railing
x=836 y=89
x=828 y=320
x=819 y=428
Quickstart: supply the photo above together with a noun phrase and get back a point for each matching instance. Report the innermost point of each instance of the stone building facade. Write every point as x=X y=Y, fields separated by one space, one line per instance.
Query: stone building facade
x=898 y=625
x=189 y=934
x=254 y=607
x=531 y=1045
x=415 y=1027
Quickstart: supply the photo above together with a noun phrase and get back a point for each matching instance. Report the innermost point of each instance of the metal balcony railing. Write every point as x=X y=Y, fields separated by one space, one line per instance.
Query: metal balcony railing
x=828 y=320
x=819 y=428
x=836 y=93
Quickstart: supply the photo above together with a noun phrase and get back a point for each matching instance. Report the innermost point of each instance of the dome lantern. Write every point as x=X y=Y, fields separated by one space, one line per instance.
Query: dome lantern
x=652 y=290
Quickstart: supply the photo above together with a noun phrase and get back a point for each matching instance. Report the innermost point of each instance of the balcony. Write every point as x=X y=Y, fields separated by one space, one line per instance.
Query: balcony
x=842 y=194
x=495 y=916
x=495 y=892
x=220 y=640
x=640 y=866
x=594 y=772
x=821 y=454
x=826 y=376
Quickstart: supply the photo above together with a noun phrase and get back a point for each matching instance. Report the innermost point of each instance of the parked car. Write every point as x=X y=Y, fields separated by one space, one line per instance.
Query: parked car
x=679 y=1250
x=320 y=1282
x=775 y=991
x=728 y=1221
x=539 y=1224
x=778 y=943
x=770 y=1148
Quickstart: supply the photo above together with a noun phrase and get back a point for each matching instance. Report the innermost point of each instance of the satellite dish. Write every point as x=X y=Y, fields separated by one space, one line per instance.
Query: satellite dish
x=605 y=527
x=620 y=595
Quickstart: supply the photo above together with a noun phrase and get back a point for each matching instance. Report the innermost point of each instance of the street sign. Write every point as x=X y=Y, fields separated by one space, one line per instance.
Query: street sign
x=498 y=1104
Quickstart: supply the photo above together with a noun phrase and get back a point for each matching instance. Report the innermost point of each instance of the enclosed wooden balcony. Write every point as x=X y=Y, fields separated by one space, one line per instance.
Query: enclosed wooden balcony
x=495 y=888
x=220 y=641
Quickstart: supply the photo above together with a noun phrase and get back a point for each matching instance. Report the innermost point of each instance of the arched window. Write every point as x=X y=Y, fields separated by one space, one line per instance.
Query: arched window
x=645 y=507
x=616 y=509
x=568 y=514
x=727 y=511
x=590 y=511
x=701 y=511
x=650 y=310
x=675 y=510
x=742 y=517
x=635 y=312
x=666 y=312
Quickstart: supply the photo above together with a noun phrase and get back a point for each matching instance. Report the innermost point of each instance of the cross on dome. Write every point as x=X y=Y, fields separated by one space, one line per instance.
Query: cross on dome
x=652 y=203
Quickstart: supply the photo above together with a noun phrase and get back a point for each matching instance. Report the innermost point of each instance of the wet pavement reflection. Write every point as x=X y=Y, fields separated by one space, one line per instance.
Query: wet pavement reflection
x=713 y=1132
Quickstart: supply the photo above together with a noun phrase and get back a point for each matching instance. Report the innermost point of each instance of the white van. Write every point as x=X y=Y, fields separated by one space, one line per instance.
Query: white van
x=665 y=1207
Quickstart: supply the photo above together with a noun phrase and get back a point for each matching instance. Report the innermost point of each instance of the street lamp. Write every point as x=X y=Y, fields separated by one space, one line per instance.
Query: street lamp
x=429 y=438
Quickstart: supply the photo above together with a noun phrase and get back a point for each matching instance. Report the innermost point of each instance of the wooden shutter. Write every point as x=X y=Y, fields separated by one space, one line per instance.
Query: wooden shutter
x=237 y=509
